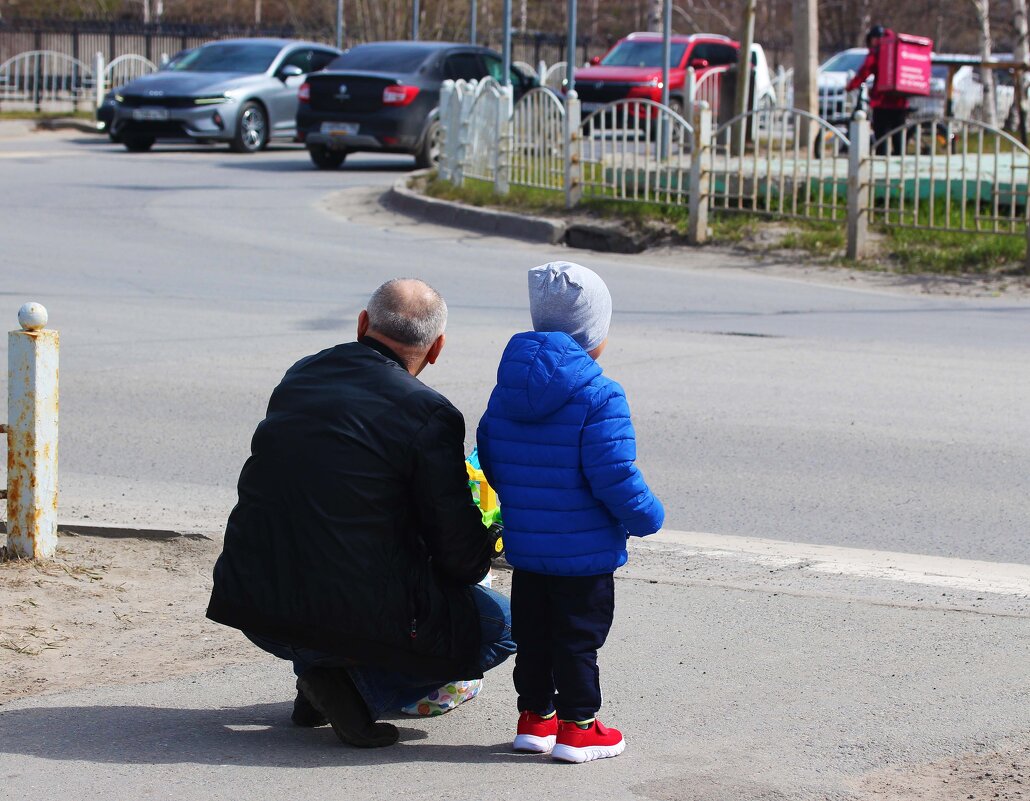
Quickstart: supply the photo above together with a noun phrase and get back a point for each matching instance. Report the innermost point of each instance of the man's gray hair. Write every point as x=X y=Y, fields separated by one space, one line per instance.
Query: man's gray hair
x=413 y=316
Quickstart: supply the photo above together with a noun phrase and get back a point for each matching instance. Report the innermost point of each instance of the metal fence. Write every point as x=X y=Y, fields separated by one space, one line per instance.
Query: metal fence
x=40 y=79
x=538 y=141
x=486 y=141
x=951 y=175
x=947 y=175
x=636 y=150
x=794 y=164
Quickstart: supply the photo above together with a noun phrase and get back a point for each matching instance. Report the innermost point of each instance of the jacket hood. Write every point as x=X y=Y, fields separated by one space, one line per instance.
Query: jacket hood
x=539 y=372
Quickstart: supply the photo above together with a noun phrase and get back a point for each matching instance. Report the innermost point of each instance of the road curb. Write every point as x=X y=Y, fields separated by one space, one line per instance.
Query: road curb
x=402 y=198
x=119 y=532
x=68 y=124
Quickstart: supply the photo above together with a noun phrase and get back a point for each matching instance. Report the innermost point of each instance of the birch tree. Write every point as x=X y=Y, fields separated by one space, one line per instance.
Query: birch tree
x=1021 y=53
x=983 y=19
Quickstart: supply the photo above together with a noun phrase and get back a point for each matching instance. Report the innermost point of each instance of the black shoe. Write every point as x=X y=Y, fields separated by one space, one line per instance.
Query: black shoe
x=333 y=694
x=306 y=715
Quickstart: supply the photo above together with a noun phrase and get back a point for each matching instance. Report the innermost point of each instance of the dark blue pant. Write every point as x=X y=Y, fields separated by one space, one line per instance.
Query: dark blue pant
x=388 y=690
x=559 y=623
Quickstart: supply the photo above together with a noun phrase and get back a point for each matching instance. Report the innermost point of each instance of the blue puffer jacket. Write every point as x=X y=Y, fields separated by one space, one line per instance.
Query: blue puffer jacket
x=557 y=444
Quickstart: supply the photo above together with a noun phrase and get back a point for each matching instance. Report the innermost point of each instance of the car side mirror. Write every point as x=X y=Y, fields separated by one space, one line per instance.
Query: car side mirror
x=595 y=61
x=290 y=71
x=699 y=63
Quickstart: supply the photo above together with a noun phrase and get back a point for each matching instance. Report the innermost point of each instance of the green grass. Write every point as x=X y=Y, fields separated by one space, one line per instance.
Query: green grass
x=905 y=250
x=817 y=238
x=949 y=252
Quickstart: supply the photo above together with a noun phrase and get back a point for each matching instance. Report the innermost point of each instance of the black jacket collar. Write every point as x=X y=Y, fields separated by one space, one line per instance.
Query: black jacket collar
x=379 y=347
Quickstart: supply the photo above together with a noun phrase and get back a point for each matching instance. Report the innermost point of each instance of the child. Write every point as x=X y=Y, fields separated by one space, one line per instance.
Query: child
x=557 y=445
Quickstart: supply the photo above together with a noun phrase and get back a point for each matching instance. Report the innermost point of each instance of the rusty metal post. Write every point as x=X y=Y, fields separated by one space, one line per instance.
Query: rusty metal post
x=32 y=435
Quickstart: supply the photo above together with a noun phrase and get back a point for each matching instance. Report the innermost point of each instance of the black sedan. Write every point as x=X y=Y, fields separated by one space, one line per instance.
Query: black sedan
x=383 y=97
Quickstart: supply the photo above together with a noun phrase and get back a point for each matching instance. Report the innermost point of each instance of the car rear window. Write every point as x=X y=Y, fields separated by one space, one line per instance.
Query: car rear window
x=381 y=58
x=247 y=57
x=641 y=54
x=844 y=62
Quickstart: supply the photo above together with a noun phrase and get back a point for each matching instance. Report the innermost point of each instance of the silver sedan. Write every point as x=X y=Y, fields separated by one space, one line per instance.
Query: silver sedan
x=240 y=91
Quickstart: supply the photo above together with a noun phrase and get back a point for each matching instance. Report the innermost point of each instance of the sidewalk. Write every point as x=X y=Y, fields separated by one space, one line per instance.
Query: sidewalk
x=737 y=669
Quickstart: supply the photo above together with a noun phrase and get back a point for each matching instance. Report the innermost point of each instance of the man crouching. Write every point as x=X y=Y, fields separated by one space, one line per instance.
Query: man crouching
x=355 y=547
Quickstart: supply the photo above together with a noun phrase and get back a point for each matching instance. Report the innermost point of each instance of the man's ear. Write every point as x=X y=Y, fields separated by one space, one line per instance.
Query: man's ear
x=362 y=323
x=434 y=350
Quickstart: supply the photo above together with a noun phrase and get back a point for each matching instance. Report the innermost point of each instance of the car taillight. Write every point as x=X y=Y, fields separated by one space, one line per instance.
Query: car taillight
x=304 y=93
x=399 y=95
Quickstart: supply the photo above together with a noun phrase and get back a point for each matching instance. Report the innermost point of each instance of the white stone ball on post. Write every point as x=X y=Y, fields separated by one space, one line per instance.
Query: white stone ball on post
x=32 y=316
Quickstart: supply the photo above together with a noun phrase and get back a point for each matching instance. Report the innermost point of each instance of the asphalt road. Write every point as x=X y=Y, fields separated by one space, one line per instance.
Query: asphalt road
x=184 y=282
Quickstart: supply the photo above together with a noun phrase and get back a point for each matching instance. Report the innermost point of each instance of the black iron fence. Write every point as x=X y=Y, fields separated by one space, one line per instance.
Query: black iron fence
x=84 y=39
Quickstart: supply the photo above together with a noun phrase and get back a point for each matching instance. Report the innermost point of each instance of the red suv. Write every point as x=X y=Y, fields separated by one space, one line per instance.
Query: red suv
x=633 y=68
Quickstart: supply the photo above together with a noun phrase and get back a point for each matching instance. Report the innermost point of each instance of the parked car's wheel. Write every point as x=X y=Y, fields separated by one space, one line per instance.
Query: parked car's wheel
x=251 y=129
x=326 y=158
x=135 y=143
x=432 y=144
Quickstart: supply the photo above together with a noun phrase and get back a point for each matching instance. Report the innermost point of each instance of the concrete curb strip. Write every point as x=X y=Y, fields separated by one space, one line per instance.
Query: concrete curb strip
x=487 y=221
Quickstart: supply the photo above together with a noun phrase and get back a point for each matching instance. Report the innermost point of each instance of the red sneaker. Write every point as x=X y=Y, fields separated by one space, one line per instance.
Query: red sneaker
x=582 y=745
x=535 y=735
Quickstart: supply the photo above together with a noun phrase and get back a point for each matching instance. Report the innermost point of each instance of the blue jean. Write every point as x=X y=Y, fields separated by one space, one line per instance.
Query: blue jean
x=386 y=690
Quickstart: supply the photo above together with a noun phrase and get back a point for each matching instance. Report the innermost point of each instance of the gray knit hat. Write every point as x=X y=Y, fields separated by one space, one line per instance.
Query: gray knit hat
x=569 y=297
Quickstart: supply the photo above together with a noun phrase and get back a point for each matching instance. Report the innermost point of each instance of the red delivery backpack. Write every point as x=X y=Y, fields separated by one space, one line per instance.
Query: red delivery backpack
x=903 y=67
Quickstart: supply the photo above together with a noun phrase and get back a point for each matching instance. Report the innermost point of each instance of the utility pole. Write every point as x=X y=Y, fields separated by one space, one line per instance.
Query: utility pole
x=415 y=14
x=747 y=39
x=339 y=24
x=806 y=47
x=473 y=12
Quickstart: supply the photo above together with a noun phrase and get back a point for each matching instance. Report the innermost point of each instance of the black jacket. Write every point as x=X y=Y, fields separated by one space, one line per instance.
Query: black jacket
x=355 y=532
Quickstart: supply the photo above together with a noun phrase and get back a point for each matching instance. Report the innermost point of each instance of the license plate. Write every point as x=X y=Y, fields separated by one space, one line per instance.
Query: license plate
x=340 y=128
x=150 y=114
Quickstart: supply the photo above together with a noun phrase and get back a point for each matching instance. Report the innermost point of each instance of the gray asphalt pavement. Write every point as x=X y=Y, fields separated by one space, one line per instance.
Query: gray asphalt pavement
x=185 y=281
x=806 y=689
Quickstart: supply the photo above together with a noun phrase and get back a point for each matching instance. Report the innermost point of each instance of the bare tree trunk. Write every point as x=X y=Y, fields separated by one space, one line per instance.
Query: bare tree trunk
x=1021 y=53
x=654 y=16
x=865 y=24
x=983 y=18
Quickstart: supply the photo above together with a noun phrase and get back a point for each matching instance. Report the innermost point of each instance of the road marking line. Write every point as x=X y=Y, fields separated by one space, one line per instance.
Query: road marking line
x=1003 y=578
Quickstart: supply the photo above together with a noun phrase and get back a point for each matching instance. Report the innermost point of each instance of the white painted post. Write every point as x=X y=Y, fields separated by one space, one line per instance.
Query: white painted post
x=505 y=134
x=573 y=151
x=858 y=185
x=32 y=435
x=690 y=96
x=700 y=178
x=447 y=151
x=100 y=74
x=467 y=96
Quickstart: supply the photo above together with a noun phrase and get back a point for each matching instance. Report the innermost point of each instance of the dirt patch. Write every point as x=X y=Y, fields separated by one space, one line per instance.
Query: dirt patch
x=109 y=612
x=997 y=773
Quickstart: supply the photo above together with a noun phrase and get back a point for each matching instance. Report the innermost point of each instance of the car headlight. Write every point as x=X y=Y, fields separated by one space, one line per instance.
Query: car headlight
x=654 y=82
x=210 y=100
x=118 y=98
